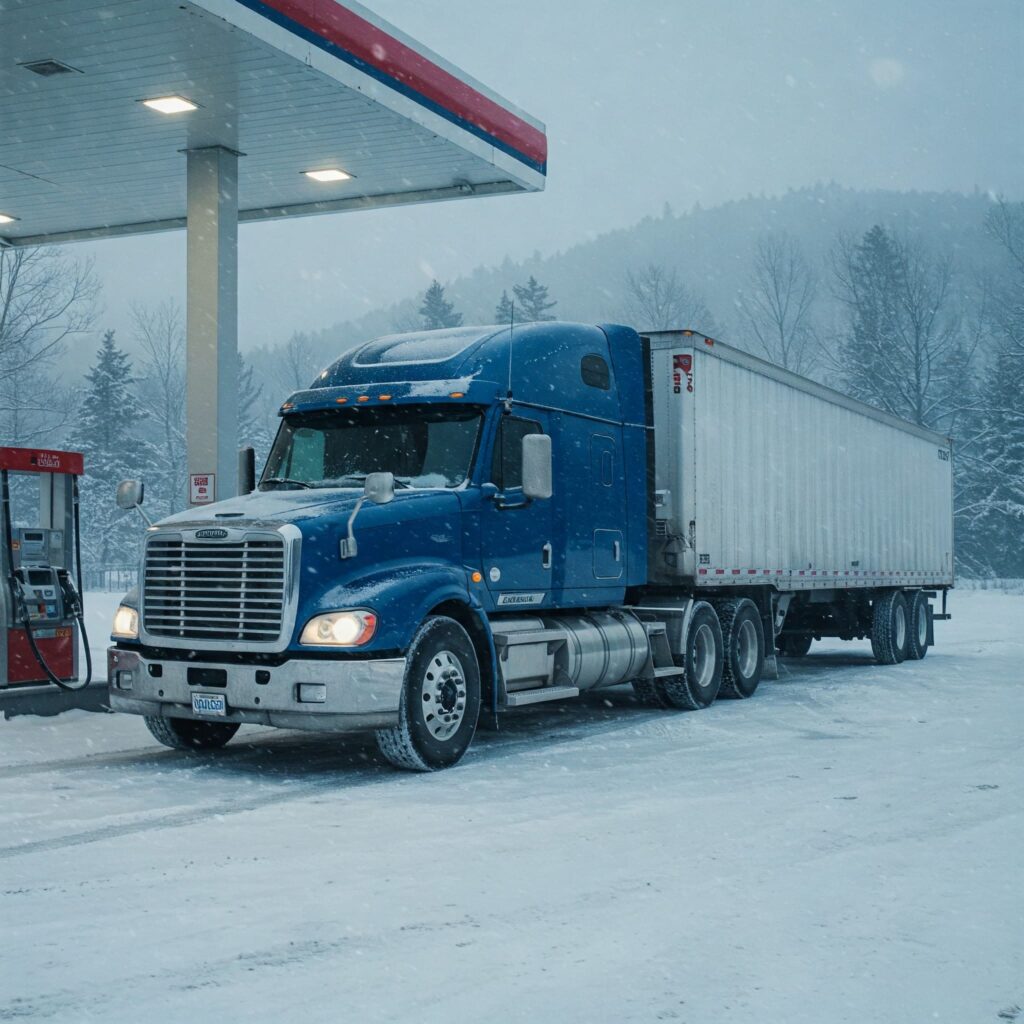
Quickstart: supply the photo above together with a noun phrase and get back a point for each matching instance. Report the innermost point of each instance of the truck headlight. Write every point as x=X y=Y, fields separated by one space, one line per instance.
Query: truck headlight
x=126 y=623
x=340 y=629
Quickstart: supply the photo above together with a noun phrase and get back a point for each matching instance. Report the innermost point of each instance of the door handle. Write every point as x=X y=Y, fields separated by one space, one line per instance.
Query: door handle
x=616 y=550
x=545 y=556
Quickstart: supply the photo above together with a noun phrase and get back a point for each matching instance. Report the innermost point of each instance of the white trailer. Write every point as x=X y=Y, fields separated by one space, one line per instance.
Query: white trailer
x=765 y=476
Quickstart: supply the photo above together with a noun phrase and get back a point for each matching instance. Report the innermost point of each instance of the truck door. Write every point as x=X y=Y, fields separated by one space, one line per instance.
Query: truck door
x=516 y=534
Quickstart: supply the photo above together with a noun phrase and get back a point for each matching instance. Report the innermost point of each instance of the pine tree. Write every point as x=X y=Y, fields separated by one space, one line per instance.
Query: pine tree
x=532 y=303
x=254 y=426
x=902 y=347
x=109 y=435
x=504 y=311
x=437 y=311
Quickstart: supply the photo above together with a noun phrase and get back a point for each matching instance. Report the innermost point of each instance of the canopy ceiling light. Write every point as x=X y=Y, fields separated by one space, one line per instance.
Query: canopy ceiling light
x=170 y=104
x=329 y=174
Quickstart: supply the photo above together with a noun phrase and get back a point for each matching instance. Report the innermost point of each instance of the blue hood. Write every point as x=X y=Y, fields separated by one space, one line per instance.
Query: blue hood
x=278 y=506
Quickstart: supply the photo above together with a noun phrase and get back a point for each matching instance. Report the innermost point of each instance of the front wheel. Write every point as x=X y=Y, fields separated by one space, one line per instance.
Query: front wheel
x=190 y=734
x=440 y=700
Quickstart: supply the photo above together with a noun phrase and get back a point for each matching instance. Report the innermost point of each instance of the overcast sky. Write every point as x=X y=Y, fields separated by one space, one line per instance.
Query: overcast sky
x=648 y=102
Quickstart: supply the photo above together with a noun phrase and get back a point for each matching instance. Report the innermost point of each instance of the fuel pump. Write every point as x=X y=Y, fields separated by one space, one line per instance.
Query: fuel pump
x=40 y=601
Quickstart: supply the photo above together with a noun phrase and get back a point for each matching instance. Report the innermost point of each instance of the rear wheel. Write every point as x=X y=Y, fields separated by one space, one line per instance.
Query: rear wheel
x=440 y=701
x=794 y=645
x=743 y=648
x=698 y=684
x=917 y=635
x=889 y=628
x=190 y=734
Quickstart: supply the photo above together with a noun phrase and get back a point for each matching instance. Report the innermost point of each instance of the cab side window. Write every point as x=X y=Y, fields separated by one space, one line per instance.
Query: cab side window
x=507 y=467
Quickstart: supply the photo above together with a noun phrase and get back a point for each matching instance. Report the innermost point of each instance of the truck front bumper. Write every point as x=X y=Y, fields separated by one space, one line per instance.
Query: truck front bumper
x=357 y=694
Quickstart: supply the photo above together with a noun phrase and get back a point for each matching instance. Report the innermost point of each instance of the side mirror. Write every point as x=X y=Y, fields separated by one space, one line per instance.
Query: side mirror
x=246 y=470
x=537 y=466
x=130 y=493
x=379 y=488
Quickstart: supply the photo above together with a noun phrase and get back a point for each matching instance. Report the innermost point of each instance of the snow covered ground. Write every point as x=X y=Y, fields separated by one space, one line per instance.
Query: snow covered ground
x=845 y=847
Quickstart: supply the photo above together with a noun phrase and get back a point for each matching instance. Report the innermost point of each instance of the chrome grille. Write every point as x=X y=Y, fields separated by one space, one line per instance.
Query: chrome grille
x=225 y=591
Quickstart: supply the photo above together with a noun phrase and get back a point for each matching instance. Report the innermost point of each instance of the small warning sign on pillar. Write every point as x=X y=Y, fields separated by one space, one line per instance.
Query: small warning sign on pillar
x=202 y=488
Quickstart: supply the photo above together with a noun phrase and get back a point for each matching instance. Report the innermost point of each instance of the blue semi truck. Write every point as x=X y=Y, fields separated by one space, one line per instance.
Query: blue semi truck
x=466 y=521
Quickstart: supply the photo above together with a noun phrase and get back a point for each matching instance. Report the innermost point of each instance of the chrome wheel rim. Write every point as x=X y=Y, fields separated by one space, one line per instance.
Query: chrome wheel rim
x=922 y=625
x=444 y=695
x=746 y=649
x=703 y=656
x=901 y=626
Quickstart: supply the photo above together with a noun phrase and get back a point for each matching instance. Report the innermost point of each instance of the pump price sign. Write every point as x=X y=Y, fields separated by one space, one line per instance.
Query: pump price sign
x=202 y=488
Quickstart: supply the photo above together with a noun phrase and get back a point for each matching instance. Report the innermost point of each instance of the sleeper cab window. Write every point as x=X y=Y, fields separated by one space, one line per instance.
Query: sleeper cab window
x=595 y=373
x=507 y=468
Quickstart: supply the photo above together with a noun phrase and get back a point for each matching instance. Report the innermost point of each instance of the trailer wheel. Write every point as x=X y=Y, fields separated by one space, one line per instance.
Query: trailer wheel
x=889 y=628
x=698 y=684
x=794 y=645
x=190 y=734
x=742 y=648
x=440 y=701
x=917 y=634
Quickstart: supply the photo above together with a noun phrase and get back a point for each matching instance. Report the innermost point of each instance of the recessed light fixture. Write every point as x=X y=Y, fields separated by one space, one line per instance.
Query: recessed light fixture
x=170 y=104
x=328 y=174
x=6 y=218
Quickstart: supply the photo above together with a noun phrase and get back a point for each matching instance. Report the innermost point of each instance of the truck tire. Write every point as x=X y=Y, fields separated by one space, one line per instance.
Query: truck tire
x=697 y=686
x=889 y=628
x=190 y=734
x=794 y=645
x=440 y=701
x=649 y=693
x=742 y=648
x=917 y=634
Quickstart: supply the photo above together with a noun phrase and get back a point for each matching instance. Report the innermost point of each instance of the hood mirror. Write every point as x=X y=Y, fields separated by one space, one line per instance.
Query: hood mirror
x=379 y=488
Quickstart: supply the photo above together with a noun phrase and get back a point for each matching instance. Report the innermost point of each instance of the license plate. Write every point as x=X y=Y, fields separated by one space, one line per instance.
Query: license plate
x=209 y=704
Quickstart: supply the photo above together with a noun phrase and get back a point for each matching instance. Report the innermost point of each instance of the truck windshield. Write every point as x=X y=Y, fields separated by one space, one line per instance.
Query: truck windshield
x=423 y=445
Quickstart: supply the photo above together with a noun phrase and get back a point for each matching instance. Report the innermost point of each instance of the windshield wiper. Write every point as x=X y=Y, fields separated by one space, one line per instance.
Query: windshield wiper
x=360 y=478
x=286 y=481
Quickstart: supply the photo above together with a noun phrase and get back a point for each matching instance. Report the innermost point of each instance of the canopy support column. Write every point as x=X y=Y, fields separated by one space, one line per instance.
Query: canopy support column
x=211 y=376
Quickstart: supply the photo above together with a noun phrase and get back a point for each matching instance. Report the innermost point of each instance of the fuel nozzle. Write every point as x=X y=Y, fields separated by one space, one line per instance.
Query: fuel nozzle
x=71 y=598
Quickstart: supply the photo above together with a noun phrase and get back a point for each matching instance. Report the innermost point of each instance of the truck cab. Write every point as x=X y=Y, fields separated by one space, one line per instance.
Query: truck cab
x=401 y=494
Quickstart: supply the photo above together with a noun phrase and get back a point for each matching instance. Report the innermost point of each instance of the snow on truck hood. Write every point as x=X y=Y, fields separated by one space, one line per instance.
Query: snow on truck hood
x=288 y=506
x=276 y=506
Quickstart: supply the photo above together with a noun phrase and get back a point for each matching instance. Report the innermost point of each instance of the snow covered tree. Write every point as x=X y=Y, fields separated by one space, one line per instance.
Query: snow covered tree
x=436 y=311
x=990 y=506
x=108 y=433
x=160 y=333
x=505 y=310
x=657 y=300
x=532 y=303
x=901 y=348
x=296 y=363
x=778 y=303
x=255 y=427
x=45 y=297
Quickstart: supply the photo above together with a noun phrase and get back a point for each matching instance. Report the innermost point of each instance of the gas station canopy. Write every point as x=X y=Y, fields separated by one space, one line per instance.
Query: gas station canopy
x=289 y=86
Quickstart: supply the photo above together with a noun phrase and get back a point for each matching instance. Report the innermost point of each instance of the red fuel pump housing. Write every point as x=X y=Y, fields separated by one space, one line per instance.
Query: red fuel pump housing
x=38 y=490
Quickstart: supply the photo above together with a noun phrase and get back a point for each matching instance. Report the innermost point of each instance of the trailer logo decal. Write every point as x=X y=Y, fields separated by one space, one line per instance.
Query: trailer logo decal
x=682 y=365
x=505 y=600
